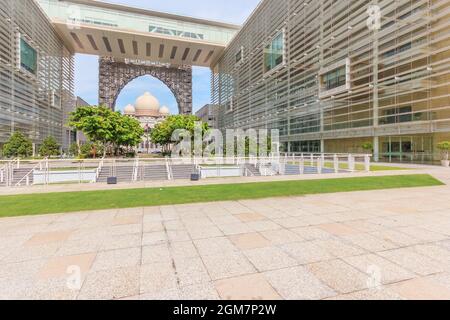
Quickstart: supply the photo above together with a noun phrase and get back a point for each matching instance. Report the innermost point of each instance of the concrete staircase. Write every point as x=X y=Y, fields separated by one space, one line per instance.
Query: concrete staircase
x=295 y=170
x=292 y=170
x=123 y=173
x=254 y=172
x=19 y=174
x=154 y=172
x=183 y=171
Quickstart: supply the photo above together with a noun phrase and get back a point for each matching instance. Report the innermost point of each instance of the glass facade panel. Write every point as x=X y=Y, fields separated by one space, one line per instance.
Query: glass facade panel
x=38 y=105
x=335 y=79
x=28 y=57
x=274 y=53
x=305 y=146
x=399 y=115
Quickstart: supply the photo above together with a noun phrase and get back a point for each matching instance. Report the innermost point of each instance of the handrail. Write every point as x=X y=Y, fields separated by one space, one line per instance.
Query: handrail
x=99 y=169
x=169 y=170
x=322 y=163
x=2 y=173
x=27 y=176
x=135 y=169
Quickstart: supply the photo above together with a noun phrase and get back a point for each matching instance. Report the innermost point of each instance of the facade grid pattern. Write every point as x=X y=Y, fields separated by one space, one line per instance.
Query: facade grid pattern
x=35 y=104
x=397 y=78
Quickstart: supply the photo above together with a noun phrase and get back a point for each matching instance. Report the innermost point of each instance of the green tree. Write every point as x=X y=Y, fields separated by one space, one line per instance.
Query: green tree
x=17 y=146
x=128 y=133
x=162 y=133
x=97 y=123
x=89 y=150
x=106 y=129
x=49 y=147
x=74 y=150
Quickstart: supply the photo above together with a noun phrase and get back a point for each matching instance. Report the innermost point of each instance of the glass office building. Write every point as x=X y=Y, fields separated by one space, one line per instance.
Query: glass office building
x=36 y=75
x=332 y=75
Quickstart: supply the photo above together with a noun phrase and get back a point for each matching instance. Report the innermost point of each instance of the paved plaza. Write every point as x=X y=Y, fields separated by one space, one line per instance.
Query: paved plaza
x=389 y=244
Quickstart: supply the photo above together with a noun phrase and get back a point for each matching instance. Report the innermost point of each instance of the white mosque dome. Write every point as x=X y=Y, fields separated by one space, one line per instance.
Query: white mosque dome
x=129 y=110
x=164 y=111
x=146 y=104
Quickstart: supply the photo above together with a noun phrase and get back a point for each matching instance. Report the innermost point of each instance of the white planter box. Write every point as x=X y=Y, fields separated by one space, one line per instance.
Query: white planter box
x=220 y=172
x=64 y=176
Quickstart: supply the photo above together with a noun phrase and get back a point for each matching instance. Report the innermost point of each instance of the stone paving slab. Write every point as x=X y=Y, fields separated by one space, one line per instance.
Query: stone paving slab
x=358 y=245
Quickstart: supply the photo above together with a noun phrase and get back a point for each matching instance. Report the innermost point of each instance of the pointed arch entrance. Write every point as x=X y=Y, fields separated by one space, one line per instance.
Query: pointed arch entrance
x=115 y=75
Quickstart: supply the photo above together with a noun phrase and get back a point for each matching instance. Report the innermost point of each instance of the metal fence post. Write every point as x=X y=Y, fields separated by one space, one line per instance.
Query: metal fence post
x=319 y=165
x=367 y=163
x=351 y=163
x=302 y=165
x=336 y=163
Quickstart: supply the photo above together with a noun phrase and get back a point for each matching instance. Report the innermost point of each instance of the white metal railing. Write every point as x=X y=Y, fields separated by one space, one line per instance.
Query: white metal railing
x=3 y=172
x=48 y=171
x=99 y=169
x=169 y=169
x=6 y=169
x=136 y=169
x=27 y=179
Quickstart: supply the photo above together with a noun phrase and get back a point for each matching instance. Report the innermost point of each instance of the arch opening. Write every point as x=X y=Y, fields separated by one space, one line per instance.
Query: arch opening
x=135 y=88
x=116 y=75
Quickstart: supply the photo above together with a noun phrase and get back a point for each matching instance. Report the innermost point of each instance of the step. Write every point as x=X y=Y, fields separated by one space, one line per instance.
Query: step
x=19 y=174
x=183 y=171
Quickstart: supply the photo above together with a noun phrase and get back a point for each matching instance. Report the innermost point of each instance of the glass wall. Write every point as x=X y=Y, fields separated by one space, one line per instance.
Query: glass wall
x=335 y=79
x=28 y=57
x=274 y=53
x=407 y=149
x=305 y=146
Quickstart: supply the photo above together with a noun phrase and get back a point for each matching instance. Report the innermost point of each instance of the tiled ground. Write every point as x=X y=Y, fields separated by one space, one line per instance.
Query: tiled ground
x=391 y=244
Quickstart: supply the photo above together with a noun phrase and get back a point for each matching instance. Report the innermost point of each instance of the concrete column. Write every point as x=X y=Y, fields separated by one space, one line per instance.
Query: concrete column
x=376 y=149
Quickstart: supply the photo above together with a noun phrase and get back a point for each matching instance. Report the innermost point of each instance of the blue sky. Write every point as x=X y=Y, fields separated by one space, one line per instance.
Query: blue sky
x=86 y=67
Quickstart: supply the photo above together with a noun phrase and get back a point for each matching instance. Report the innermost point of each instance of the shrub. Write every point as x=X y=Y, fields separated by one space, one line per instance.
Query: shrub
x=445 y=148
x=74 y=150
x=18 y=146
x=368 y=146
x=49 y=147
x=90 y=150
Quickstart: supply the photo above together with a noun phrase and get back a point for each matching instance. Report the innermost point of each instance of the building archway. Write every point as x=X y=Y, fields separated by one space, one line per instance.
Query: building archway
x=114 y=76
x=139 y=86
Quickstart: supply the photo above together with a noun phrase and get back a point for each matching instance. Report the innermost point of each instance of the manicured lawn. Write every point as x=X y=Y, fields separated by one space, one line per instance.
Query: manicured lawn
x=33 y=204
x=358 y=166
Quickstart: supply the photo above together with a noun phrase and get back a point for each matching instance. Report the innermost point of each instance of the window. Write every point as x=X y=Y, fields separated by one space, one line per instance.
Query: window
x=56 y=100
x=306 y=124
x=274 y=53
x=240 y=55
x=305 y=146
x=397 y=115
x=28 y=57
x=335 y=79
x=398 y=50
x=230 y=105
